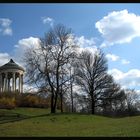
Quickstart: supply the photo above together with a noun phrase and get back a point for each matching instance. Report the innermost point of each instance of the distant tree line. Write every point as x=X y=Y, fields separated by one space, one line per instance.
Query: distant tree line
x=57 y=67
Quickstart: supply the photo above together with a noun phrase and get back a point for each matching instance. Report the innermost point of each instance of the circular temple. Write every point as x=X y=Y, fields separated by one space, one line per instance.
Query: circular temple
x=11 y=77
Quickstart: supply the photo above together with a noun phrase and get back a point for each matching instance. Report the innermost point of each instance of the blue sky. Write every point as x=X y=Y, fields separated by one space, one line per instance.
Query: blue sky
x=112 y=27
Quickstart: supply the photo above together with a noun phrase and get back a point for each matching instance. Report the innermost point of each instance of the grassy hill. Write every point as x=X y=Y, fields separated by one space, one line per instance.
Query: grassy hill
x=38 y=122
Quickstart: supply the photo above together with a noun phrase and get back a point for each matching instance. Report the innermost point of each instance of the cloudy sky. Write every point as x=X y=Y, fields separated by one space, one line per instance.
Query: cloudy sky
x=113 y=27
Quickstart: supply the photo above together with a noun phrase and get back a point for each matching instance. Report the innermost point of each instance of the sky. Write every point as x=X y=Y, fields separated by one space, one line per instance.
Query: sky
x=114 y=28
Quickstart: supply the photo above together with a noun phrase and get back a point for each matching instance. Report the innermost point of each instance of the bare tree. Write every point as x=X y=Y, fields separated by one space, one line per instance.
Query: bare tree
x=132 y=98
x=108 y=95
x=113 y=102
x=46 y=66
x=64 y=87
x=91 y=75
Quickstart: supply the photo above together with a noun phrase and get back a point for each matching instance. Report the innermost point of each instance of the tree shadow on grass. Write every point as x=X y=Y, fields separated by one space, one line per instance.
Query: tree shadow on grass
x=14 y=117
x=8 y=117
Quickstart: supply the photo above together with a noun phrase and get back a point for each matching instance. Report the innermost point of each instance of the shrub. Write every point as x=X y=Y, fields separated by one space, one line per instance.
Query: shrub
x=7 y=103
x=31 y=101
x=12 y=100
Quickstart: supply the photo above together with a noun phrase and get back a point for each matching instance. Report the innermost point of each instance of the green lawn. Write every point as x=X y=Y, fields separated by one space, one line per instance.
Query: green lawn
x=38 y=122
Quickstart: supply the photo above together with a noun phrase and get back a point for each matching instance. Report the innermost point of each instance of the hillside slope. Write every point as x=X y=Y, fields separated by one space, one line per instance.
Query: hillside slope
x=38 y=122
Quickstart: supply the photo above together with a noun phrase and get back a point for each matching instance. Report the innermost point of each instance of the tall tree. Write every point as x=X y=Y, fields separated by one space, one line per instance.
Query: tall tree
x=46 y=65
x=91 y=75
x=113 y=98
x=132 y=98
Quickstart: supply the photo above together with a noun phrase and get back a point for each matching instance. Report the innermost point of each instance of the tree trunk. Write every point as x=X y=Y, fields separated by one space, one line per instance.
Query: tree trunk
x=53 y=110
x=71 y=91
x=61 y=103
x=52 y=103
x=92 y=105
x=93 y=108
x=71 y=99
x=55 y=101
x=58 y=86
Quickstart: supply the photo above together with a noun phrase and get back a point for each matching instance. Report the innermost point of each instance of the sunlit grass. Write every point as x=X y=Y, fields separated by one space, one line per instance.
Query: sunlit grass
x=38 y=122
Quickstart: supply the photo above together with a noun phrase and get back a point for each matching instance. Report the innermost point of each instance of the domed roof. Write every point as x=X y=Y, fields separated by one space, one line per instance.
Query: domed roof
x=11 y=65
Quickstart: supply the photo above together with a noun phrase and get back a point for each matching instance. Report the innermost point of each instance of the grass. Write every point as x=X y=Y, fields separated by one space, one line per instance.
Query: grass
x=38 y=122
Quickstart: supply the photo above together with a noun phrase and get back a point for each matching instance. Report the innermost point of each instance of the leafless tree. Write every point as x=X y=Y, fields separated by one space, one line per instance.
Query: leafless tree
x=91 y=75
x=46 y=65
x=113 y=102
x=132 y=99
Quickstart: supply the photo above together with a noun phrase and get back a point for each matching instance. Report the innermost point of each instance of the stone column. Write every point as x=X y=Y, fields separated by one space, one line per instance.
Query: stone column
x=14 y=82
x=2 y=84
x=3 y=87
x=8 y=84
x=22 y=83
x=19 y=83
x=6 y=74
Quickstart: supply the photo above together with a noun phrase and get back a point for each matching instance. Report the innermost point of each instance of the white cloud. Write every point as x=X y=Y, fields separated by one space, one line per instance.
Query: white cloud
x=138 y=92
x=130 y=79
x=117 y=74
x=48 y=20
x=83 y=42
x=86 y=44
x=22 y=46
x=5 y=22
x=112 y=57
x=118 y=27
x=29 y=88
x=124 y=61
x=29 y=42
x=7 y=31
x=5 y=28
x=104 y=45
x=4 y=58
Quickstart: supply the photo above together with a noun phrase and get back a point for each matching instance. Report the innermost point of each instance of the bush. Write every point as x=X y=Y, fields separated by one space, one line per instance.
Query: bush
x=30 y=101
x=7 y=103
x=12 y=100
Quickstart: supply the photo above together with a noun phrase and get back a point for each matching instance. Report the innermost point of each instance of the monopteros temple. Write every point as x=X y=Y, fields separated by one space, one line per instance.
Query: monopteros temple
x=11 y=77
